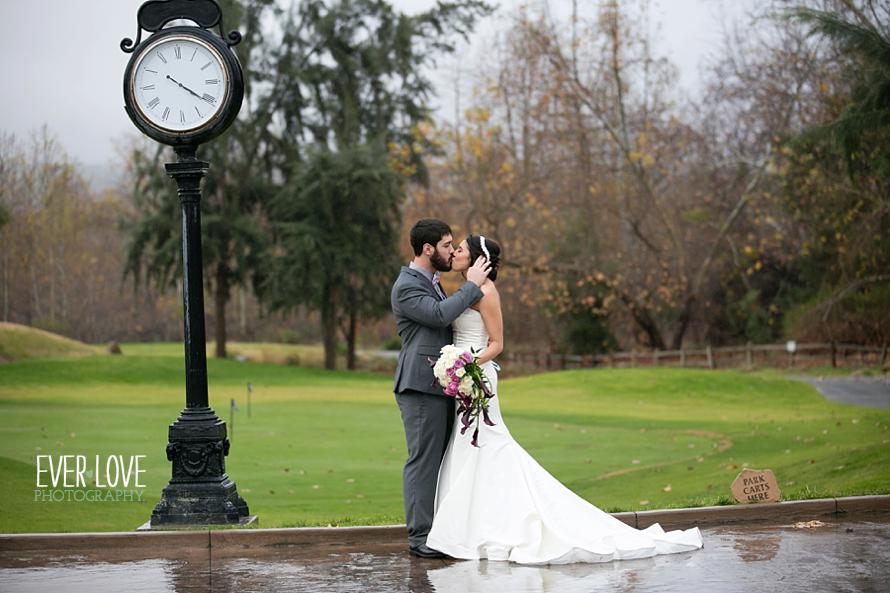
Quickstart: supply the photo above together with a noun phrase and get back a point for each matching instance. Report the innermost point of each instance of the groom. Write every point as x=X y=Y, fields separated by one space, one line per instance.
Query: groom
x=423 y=318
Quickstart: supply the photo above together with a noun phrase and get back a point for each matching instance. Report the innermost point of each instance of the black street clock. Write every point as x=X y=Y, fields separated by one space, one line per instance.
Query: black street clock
x=183 y=85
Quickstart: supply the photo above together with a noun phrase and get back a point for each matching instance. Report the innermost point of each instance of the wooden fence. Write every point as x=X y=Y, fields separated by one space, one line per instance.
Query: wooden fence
x=749 y=356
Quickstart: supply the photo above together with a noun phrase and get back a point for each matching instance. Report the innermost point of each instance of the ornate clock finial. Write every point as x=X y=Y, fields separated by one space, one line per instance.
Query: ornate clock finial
x=154 y=14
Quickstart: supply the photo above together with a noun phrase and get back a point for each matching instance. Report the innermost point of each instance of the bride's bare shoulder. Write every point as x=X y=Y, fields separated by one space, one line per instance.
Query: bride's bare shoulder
x=489 y=289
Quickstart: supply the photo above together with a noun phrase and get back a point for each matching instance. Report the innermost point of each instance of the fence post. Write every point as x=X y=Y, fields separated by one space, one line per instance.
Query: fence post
x=833 y=354
x=884 y=354
x=655 y=357
x=749 y=356
x=633 y=359
x=710 y=355
x=682 y=357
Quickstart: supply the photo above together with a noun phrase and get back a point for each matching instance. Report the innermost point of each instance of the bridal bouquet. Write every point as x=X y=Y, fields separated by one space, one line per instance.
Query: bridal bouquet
x=460 y=374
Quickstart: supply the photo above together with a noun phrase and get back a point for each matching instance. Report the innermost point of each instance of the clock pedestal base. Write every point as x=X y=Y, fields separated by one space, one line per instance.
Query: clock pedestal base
x=200 y=492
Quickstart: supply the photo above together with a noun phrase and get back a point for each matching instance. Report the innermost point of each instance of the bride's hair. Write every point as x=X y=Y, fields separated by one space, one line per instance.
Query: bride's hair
x=494 y=250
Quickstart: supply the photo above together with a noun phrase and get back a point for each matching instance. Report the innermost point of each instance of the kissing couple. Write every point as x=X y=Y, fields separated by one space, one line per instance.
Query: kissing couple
x=493 y=501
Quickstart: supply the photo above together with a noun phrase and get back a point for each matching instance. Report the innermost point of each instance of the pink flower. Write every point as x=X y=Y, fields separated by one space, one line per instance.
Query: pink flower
x=462 y=378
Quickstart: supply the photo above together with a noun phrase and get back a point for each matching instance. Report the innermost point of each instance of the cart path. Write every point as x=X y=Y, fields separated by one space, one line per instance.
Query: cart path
x=872 y=392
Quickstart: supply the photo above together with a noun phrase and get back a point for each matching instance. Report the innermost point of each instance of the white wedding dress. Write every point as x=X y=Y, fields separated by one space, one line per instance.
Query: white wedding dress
x=497 y=502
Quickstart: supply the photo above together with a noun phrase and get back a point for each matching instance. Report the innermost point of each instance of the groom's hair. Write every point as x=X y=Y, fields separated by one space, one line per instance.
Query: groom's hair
x=494 y=250
x=428 y=230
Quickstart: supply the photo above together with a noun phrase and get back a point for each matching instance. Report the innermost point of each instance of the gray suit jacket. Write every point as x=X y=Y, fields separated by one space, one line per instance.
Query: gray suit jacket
x=424 y=321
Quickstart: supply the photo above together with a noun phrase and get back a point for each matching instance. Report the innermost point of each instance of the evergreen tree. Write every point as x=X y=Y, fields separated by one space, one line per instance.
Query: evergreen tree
x=352 y=93
x=838 y=178
x=867 y=40
x=337 y=221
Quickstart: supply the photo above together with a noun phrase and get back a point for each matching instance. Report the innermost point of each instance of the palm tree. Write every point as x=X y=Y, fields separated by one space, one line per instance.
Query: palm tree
x=860 y=133
x=862 y=33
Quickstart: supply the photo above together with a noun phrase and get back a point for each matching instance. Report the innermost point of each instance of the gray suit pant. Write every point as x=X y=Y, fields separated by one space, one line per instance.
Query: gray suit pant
x=428 y=421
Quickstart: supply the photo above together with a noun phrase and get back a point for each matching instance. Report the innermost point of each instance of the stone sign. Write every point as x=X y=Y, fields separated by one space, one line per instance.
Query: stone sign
x=756 y=485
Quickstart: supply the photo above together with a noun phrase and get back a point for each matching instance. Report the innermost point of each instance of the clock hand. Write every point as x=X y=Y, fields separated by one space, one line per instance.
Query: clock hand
x=182 y=86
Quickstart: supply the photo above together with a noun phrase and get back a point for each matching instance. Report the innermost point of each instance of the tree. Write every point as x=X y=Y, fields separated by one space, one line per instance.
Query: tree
x=232 y=236
x=863 y=33
x=352 y=93
x=60 y=256
x=837 y=177
x=335 y=225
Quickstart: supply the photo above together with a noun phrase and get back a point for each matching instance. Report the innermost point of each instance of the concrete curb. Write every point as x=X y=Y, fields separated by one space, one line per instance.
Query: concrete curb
x=245 y=540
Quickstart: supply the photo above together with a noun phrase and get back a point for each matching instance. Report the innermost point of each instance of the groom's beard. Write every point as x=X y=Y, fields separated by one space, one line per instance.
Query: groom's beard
x=439 y=263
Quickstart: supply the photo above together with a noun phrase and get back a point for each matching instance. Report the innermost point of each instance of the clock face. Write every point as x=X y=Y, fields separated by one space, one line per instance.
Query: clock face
x=179 y=83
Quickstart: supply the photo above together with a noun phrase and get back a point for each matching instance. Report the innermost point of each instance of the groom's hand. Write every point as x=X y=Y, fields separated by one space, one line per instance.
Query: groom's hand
x=478 y=272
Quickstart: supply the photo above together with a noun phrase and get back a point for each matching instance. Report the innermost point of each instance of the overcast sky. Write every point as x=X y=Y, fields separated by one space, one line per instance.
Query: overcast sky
x=63 y=66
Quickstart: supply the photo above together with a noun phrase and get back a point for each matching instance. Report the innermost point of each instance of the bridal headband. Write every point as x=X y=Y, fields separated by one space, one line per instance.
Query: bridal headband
x=484 y=248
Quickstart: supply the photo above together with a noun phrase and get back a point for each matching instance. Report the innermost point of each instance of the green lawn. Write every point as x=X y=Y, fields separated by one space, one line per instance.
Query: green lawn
x=327 y=447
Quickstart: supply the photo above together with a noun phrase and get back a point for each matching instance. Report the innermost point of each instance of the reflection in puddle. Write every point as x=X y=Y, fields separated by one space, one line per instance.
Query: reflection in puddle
x=150 y=576
x=841 y=556
x=758 y=549
x=494 y=577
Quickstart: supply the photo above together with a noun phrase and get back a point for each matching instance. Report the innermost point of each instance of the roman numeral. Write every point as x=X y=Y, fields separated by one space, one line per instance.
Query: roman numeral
x=199 y=113
x=178 y=52
x=209 y=99
x=166 y=113
x=211 y=81
x=207 y=64
x=148 y=87
x=163 y=59
x=181 y=116
x=153 y=103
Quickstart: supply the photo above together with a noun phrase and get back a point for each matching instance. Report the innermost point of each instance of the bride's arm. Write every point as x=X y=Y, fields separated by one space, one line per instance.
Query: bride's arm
x=490 y=308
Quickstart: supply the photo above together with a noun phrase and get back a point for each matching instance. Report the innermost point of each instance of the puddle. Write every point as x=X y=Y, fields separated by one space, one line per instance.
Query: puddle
x=828 y=557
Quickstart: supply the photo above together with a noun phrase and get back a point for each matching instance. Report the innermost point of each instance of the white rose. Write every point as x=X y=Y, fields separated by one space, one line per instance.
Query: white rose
x=439 y=370
x=466 y=385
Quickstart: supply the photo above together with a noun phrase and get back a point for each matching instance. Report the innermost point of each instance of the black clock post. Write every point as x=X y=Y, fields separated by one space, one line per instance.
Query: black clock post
x=199 y=492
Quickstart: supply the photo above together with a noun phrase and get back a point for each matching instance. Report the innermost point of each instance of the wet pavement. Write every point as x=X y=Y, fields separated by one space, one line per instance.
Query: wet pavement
x=830 y=556
x=872 y=392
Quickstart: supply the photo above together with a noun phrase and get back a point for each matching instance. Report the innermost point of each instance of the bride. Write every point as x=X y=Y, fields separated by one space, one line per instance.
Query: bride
x=495 y=501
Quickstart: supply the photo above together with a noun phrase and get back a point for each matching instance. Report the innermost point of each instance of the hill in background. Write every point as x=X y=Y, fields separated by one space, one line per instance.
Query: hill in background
x=20 y=342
